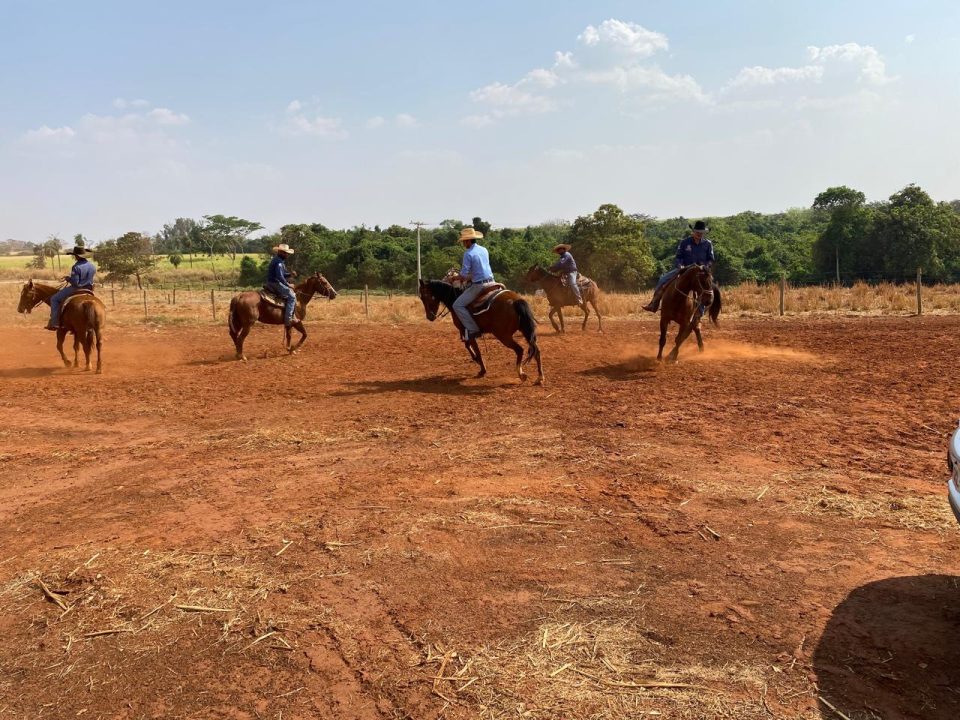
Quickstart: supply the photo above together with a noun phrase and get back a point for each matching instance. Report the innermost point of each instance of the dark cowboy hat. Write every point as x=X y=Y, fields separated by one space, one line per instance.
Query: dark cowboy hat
x=699 y=226
x=562 y=247
x=79 y=251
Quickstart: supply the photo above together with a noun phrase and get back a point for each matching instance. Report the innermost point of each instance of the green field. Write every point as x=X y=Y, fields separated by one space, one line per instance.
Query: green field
x=222 y=263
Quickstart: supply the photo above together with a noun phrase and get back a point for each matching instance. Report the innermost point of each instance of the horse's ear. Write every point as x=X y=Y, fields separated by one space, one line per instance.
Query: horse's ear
x=421 y=281
x=30 y=284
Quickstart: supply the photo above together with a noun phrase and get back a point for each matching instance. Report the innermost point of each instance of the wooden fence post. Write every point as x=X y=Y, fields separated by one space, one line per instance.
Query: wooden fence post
x=919 y=292
x=213 y=304
x=144 y=303
x=783 y=292
x=174 y=293
x=366 y=301
x=113 y=296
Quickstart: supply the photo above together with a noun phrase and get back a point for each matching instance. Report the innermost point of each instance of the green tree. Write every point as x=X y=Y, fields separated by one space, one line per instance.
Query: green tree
x=175 y=260
x=130 y=254
x=480 y=226
x=840 y=242
x=227 y=234
x=611 y=248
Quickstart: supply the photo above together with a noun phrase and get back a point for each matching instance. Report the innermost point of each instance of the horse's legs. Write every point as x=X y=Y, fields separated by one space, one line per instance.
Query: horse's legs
x=239 y=338
x=518 y=349
x=61 y=334
x=664 y=324
x=87 y=347
x=99 y=345
x=682 y=335
x=586 y=314
x=553 y=311
x=474 y=350
x=699 y=338
x=597 y=312
x=540 y=378
x=298 y=324
x=76 y=349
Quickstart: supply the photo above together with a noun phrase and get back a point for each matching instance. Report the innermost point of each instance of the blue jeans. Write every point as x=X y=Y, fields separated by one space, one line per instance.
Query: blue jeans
x=572 y=284
x=460 y=307
x=56 y=302
x=667 y=277
x=290 y=299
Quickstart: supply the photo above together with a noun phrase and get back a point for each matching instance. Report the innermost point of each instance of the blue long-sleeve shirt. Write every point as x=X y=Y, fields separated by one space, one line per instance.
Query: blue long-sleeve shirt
x=566 y=264
x=692 y=253
x=82 y=274
x=476 y=264
x=277 y=272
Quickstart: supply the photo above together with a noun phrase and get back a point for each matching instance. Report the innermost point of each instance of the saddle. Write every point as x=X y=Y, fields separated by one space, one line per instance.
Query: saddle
x=78 y=294
x=271 y=298
x=583 y=282
x=485 y=299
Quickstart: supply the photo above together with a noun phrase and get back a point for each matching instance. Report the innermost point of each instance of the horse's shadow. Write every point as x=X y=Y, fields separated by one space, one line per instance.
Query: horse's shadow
x=33 y=372
x=434 y=385
x=892 y=649
x=625 y=370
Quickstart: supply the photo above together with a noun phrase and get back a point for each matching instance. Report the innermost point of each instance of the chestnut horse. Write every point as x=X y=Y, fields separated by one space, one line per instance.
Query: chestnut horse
x=559 y=295
x=246 y=308
x=507 y=314
x=684 y=300
x=82 y=314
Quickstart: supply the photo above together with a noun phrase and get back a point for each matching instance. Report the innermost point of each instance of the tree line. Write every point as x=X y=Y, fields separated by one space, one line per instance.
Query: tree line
x=840 y=237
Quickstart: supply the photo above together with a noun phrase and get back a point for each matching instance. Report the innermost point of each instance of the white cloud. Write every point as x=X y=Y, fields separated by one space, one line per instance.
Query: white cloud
x=45 y=134
x=624 y=37
x=759 y=75
x=909 y=39
x=300 y=121
x=864 y=60
x=165 y=116
x=375 y=122
x=512 y=99
x=655 y=84
x=405 y=120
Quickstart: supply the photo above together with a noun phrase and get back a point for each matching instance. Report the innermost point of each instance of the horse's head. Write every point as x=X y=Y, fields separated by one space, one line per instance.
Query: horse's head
x=322 y=286
x=701 y=283
x=534 y=273
x=431 y=303
x=30 y=297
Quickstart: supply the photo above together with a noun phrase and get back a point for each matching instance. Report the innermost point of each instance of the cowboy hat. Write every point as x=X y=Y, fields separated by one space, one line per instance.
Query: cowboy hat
x=79 y=251
x=468 y=233
x=699 y=226
x=562 y=247
x=284 y=248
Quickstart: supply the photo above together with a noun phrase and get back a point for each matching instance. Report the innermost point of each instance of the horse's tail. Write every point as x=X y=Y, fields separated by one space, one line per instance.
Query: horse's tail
x=93 y=322
x=528 y=325
x=233 y=310
x=715 y=305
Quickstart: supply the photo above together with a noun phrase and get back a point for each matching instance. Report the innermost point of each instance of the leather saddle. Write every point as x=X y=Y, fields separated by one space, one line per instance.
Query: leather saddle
x=486 y=298
x=83 y=292
x=271 y=298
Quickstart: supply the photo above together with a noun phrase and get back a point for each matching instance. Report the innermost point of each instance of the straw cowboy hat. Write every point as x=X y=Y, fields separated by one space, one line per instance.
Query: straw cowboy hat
x=79 y=251
x=284 y=248
x=562 y=248
x=468 y=233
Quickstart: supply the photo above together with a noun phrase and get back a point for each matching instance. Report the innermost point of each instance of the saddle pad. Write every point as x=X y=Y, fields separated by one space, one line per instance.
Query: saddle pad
x=483 y=303
x=78 y=294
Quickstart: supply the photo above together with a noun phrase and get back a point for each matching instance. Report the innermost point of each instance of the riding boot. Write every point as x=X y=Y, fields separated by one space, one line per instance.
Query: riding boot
x=654 y=304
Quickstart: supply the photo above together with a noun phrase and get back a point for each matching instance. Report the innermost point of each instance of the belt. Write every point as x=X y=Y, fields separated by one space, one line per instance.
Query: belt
x=481 y=282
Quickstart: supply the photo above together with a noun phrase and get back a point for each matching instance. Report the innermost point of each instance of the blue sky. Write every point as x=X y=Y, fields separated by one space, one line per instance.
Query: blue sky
x=118 y=116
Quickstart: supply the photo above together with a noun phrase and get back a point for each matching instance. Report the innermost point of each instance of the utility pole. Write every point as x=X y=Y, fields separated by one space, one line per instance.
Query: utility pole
x=419 y=224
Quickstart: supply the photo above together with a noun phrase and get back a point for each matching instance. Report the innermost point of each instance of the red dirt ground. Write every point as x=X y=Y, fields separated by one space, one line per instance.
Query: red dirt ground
x=374 y=533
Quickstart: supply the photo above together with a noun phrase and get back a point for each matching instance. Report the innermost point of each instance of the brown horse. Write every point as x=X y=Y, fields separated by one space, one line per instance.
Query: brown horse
x=247 y=308
x=559 y=295
x=82 y=314
x=507 y=314
x=684 y=299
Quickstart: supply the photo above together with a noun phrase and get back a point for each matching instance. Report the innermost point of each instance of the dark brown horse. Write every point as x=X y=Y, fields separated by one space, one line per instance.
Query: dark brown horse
x=508 y=314
x=684 y=300
x=82 y=314
x=559 y=295
x=248 y=307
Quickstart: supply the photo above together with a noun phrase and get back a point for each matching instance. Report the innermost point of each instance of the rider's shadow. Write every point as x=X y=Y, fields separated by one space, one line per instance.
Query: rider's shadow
x=435 y=385
x=631 y=369
x=33 y=372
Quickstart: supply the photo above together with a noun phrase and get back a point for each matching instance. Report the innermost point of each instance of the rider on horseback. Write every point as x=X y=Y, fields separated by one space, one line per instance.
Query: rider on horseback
x=81 y=278
x=278 y=281
x=475 y=271
x=694 y=249
x=567 y=267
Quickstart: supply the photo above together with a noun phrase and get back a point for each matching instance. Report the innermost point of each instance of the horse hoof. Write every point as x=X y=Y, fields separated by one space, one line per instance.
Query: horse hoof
x=540 y=381
x=523 y=377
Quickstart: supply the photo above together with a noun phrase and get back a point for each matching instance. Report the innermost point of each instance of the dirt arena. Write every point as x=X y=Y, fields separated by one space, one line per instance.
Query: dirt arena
x=364 y=530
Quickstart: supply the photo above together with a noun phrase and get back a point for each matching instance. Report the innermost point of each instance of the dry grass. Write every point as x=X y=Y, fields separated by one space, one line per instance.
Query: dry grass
x=193 y=306
x=902 y=511
x=584 y=670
